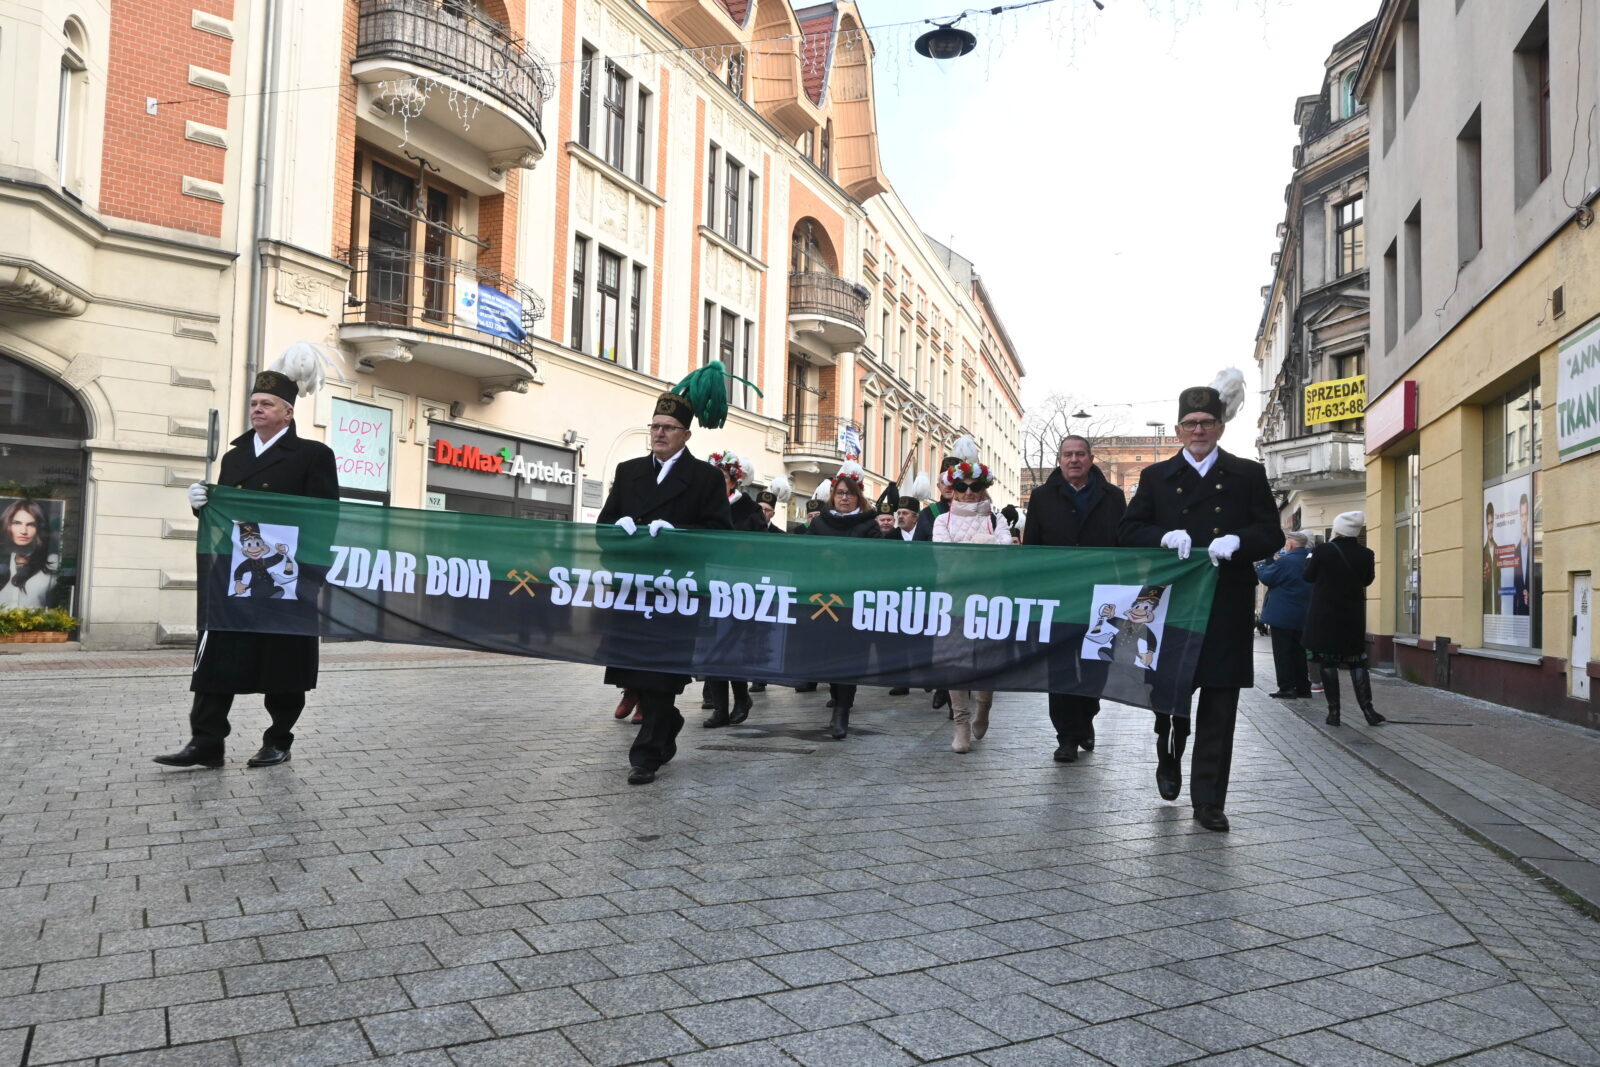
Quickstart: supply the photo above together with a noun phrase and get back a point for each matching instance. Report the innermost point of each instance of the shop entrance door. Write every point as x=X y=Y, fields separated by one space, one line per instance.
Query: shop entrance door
x=1578 y=661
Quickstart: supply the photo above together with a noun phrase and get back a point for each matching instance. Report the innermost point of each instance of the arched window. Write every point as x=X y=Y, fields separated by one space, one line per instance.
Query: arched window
x=70 y=105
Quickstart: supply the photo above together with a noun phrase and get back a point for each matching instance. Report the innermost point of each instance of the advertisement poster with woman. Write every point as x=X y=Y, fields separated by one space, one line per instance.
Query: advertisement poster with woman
x=1509 y=562
x=30 y=550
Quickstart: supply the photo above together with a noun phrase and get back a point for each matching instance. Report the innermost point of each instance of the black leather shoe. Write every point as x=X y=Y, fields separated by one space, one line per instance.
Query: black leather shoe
x=806 y=687
x=1211 y=817
x=1169 y=777
x=941 y=697
x=1087 y=743
x=839 y=726
x=717 y=718
x=640 y=776
x=758 y=687
x=269 y=756
x=191 y=755
x=1333 y=717
x=740 y=711
x=900 y=691
x=1284 y=694
x=1066 y=754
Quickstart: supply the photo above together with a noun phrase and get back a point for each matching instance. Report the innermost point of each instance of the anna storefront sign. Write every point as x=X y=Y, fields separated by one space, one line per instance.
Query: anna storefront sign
x=1125 y=624
x=1578 y=393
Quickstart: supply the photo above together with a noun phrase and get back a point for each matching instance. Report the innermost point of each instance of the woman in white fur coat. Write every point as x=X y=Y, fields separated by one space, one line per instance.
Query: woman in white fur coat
x=970 y=521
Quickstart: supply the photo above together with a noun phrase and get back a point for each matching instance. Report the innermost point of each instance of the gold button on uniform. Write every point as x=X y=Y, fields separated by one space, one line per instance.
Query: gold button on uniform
x=1180 y=491
x=1216 y=509
x=1215 y=531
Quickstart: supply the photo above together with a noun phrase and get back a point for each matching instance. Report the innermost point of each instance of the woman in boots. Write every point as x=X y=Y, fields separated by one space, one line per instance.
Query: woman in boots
x=845 y=515
x=749 y=518
x=970 y=520
x=1336 y=621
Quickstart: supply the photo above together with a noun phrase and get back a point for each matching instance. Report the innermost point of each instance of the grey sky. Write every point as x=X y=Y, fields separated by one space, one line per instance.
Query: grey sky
x=1117 y=176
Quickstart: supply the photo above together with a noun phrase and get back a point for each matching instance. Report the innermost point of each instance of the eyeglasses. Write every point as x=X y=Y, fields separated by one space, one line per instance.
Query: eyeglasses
x=663 y=427
x=1199 y=424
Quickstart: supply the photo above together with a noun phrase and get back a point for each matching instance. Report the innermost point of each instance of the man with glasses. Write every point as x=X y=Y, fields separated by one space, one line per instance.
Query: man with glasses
x=1076 y=505
x=1205 y=497
x=668 y=489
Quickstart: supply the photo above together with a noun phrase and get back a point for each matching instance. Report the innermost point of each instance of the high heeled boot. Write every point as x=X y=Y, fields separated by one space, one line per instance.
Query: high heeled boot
x=961 y=712
x=1330 y=690
x=980 y=717
x=1361 y=682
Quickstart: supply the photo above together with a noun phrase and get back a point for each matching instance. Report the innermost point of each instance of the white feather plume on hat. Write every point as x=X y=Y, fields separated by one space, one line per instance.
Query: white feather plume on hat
x=1229 y=385
x=301 y=363
x=823 y=489
x=780 y=488
x=920 y=487
x=965 y=449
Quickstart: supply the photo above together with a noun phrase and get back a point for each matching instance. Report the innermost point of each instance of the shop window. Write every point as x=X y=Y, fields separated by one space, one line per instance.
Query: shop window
x=1408 y=543
x=42 y=473
x=1513 y=521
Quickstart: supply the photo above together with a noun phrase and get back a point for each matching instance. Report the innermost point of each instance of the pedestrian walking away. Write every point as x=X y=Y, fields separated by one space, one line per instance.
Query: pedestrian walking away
x=1284 y=613
x=667 y=489
x=748 y=517
x=270 y=458
x=970 y=520
x=1206 y=498
x=1336 y=622
x=1075 y=507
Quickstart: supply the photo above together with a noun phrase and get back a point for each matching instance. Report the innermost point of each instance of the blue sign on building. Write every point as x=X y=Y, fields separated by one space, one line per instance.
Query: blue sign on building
x=499 y=315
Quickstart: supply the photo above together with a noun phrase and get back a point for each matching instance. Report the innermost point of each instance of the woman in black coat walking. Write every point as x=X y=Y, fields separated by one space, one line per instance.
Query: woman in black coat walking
x=846 y=515
x=1336 y=621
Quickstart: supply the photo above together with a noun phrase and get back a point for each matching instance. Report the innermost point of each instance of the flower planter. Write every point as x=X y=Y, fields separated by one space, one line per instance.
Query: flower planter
x=34 y=637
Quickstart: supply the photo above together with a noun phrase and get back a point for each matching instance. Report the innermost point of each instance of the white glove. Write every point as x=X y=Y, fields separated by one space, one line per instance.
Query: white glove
x=1223 y=548
x=657 y=525
x=627 y=524
x=1178 y=539
x=198 y=497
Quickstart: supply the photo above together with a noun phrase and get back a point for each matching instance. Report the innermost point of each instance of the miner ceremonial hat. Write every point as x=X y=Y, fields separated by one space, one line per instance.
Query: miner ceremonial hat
x=1221 y=399
x=909 y=503
x=279 y=385
x=813 y=506
x=248 y=530
x=297 y=371
x=767 y=496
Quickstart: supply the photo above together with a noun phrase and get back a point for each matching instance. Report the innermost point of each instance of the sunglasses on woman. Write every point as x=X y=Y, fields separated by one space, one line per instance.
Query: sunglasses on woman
x=969 y=487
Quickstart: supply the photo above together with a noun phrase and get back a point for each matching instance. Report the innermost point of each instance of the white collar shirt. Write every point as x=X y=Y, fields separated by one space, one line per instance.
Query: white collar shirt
x=262 y=446
x=1202 y=467
x=666 y=465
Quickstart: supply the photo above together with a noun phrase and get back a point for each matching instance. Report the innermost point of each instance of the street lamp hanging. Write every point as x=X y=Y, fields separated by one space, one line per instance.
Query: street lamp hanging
x=945 y=42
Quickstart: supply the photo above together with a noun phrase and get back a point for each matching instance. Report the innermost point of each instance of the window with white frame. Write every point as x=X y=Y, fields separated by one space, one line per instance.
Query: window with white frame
x=71 y=105
x=727 y=336
x=609 y=304
x=731 y=193
x=613 y=114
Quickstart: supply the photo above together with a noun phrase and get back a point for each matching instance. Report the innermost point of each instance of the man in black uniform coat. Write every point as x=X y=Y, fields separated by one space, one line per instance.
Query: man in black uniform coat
x=271 y=458
x=667 y=489
x=1205 y=497
x=1075 y=506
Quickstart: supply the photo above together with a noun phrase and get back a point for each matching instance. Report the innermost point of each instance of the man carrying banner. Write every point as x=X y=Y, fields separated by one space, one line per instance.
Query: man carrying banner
x=666 y=490
x=747 y=517
x=271 y=458
x=1076 y=506
x=1204 y=496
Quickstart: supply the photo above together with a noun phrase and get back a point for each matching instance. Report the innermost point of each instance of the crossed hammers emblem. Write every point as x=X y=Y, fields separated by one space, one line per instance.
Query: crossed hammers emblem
x=523 y=578
x=827 y=605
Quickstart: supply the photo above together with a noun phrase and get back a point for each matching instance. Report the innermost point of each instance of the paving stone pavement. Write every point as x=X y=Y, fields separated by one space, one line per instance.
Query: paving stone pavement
x=452 y=871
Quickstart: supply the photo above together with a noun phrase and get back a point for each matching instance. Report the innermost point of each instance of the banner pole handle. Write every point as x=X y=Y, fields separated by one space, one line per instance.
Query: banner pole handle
x=213 y=440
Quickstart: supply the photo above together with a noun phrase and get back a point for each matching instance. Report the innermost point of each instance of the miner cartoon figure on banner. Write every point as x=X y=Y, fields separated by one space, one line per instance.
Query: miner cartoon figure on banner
x=1131 y=639
x=261 y=568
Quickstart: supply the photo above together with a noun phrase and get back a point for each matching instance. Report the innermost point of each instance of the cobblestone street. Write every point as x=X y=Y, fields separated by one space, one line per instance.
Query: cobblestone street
x=452 y=870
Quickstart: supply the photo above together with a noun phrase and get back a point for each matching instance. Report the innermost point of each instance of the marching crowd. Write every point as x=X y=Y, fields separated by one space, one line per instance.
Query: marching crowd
x=1200 y=499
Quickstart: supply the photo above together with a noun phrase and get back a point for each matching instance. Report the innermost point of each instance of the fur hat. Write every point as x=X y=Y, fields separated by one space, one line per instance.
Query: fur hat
x=1349 y=524
x=1221 y=399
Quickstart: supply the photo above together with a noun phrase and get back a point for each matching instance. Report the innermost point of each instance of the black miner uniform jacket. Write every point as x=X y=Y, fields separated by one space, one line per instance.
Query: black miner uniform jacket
x=747 y=516
x=693 y=496
x=1233 y=498
x=232 y=662
x=1053 y=519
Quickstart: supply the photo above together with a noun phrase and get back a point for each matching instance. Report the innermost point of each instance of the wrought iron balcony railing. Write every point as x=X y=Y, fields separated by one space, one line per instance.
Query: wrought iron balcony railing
x=451 y=39
x=822 y=435
x=419 y=291
x=820 y=293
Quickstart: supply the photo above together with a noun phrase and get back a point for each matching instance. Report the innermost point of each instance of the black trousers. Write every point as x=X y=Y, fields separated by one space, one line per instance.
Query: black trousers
x=1214 y=716
x=657 y=740
x=1073 y=717
x=208 y=718
x=1289 y=661
x=717 y=690
x=844 y=696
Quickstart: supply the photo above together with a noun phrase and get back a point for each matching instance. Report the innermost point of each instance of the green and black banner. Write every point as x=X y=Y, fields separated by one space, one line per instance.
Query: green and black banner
x=1124 y=624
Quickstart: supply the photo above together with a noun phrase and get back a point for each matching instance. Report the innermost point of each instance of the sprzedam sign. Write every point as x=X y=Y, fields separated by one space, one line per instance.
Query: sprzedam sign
x=1337 y=400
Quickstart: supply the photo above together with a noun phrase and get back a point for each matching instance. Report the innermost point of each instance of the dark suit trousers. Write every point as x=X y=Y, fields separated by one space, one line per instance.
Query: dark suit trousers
x=1215 y=713
x=657 y=741
x=1073 y=717
x=208 y=718
x=1289 y=661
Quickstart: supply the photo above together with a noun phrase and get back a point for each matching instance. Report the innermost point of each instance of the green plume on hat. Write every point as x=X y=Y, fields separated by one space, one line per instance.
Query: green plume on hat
x=706 y=390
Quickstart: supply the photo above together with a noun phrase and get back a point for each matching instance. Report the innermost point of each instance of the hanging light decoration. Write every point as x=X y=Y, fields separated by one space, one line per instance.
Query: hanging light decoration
x=945 y=42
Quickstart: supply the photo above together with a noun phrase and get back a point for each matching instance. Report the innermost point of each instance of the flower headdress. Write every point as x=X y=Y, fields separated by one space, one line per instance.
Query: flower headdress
x=731 y=465
x=966 y=467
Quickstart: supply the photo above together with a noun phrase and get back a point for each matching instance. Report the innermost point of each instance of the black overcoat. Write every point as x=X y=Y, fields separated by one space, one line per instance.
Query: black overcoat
x=747 y=516
x=693 y=496
x=1336 y=622
x=228 y=661
x=1233 y=498
x=1053 y=519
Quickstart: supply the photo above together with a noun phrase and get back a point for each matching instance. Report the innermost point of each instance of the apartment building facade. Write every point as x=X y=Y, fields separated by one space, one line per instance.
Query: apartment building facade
x=1480 y=434
x=504 y=225
x=1310 y=350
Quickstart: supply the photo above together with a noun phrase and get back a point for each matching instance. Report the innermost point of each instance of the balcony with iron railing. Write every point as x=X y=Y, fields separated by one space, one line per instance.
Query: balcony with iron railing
x=1323 y=460
x=821 y=437
x=829 y=308
x=442 y=63
x=404 y=305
